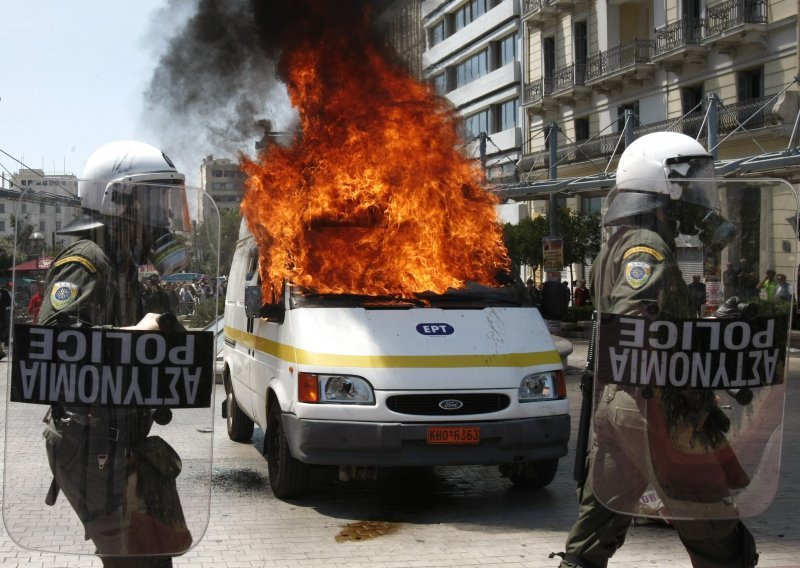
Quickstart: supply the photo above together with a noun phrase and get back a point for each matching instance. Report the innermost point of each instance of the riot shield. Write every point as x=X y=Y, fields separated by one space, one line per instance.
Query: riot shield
x=109 y=414
x=691 y=356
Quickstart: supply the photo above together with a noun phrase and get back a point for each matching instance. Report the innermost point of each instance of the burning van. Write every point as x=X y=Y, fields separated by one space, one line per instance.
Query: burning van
x=468 y=376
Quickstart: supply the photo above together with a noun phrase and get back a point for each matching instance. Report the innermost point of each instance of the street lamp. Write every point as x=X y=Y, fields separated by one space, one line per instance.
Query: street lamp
x=37 y=240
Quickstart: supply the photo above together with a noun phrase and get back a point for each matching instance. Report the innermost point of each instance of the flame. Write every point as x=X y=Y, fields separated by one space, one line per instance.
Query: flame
x=374 y=196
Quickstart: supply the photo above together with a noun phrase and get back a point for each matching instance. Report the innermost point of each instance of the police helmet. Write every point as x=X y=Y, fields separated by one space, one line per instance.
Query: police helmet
x=663 y=169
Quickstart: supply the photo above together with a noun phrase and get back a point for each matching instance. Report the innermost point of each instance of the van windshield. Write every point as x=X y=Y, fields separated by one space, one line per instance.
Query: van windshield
x=473 y=296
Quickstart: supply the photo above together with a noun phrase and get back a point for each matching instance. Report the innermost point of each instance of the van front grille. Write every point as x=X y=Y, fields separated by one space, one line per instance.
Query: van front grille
x=444 y=405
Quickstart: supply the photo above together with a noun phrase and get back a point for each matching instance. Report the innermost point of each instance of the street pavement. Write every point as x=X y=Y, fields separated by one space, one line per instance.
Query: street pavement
x=448 y=517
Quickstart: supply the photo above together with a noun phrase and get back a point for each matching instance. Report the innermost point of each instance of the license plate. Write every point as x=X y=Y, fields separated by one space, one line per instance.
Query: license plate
x=454 y=434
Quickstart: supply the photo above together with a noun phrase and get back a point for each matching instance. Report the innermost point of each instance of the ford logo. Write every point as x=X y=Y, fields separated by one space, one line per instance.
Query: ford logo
x=435 y=329
x=450 y=404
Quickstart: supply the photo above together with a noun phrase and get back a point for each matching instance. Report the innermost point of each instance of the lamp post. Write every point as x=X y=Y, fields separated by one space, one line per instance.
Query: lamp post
x=37 y=240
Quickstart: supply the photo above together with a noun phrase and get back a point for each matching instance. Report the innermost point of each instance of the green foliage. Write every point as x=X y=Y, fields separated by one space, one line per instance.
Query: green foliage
x=208 y=248
x=524 y=241
x=578 y=313
x=581 y=234
x=204 y=312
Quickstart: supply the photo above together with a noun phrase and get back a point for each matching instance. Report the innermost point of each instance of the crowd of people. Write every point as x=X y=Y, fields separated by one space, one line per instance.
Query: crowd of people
x=180 y=298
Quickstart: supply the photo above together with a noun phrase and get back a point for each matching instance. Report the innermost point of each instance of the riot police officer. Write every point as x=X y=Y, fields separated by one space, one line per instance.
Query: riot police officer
x=131 y=198
x=636 y=274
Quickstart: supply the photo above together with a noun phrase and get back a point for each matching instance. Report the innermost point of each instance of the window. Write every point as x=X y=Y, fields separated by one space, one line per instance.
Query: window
x=217 y=173
x=473 y=68
x=476 y=123
x=507 y=50
x=24 y=208
x=691 y=97
x=750 y=84
x=2 y=207
x=58 y=225
x=580 y=36
x=58 y=208
x=436 y=34
x=634 y=106
x=440 y=83
x=470 y=12
x=581 y=129
x=42 y=208
x=42 y=226
x=590 y=205
x=2 y=226
x=507 y=115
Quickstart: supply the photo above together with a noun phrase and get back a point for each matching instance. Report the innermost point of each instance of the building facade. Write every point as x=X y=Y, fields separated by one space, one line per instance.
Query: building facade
x=43 y=201
x=723 y=72
x=472 y=57
x=223 y=180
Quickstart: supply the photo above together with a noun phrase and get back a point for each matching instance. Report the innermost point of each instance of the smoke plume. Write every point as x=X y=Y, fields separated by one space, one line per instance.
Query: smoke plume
x=219 y=78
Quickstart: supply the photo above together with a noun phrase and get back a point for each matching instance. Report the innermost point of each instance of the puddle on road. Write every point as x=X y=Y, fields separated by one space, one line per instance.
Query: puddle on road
x=364 y=530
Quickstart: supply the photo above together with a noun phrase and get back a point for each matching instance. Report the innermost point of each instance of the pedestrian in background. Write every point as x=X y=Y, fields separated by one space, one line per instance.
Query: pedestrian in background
x=697 y=293
x=769 y=284
x=784 y=291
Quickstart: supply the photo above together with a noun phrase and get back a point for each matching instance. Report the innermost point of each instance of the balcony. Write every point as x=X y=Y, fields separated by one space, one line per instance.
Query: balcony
x=747 y=114
x=679 y=43
x=736 y=22
x=569 y=83
x=630 y=61
x=538 y=95
x=539 y=13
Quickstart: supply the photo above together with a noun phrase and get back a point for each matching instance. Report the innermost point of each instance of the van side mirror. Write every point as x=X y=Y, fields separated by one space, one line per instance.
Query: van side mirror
x=254 y=307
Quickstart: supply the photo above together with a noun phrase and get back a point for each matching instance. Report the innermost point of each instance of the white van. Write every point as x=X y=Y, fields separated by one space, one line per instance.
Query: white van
x=359 y=382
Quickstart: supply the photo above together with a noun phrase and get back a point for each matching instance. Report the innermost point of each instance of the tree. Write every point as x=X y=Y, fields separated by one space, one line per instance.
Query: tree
x=580 y=233
x=205 y=239
x=524 y=241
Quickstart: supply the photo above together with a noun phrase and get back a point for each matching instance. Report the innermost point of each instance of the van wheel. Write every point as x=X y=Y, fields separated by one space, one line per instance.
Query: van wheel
x=537 y=474
x=240 y=427
x=288 y=477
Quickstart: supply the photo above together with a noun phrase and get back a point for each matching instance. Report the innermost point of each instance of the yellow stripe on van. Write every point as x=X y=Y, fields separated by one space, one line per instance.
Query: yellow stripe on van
x=303 y=357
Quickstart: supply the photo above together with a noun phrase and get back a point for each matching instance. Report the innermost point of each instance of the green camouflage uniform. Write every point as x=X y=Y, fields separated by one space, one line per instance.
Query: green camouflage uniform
x=636 y=273
x=91 y=462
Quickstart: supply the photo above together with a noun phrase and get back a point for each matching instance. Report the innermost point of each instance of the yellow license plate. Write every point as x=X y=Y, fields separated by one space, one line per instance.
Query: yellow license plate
x=454 y=435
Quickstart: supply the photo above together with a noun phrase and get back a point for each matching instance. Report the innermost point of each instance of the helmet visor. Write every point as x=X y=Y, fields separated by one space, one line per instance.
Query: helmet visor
x=160 y=204
x=692 y=180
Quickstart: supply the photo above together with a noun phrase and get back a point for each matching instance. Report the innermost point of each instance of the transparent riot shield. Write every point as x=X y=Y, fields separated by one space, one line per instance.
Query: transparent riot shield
x=110 y=375
x=692 y=346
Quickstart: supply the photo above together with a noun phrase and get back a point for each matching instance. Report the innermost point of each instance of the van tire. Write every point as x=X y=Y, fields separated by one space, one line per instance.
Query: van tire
x=544 y=472
x=288 y=477
x=239 y=425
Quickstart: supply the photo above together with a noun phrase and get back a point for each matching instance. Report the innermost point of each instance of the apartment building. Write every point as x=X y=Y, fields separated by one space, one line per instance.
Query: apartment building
x=664 y=61
x=222 y=179
x=472 y=57
x=43 y=201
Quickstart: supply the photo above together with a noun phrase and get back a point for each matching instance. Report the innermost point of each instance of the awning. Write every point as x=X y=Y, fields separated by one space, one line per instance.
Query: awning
x=42 y=263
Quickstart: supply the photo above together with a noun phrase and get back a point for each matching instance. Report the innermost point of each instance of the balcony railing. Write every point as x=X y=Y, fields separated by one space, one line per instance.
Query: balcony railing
x=733 y=13
x=684 y=32
x=532 y=6
x=537 y=90
x=568 y=77
x=729 y=118
x=617 y=58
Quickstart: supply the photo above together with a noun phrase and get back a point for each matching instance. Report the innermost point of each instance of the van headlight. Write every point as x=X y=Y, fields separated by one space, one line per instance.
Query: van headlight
x=340 y=389
x=549 y=385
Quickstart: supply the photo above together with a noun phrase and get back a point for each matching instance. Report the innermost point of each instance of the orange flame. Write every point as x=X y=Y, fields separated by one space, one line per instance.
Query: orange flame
x=374 y=197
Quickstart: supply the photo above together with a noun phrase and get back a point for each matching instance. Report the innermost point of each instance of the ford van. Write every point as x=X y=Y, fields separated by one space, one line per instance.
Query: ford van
x=468 y=377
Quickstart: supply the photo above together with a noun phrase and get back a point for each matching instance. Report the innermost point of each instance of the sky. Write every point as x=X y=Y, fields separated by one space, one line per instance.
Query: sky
x=74 y=78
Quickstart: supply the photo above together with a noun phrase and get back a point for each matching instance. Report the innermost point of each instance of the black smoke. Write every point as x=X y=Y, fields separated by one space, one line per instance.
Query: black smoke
x=218 y=80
